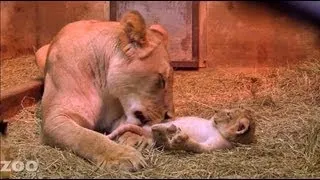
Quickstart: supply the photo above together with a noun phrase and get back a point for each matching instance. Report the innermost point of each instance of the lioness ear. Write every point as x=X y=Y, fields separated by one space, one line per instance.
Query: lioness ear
x=159 y=29
x=243 y=126
x=134 y=27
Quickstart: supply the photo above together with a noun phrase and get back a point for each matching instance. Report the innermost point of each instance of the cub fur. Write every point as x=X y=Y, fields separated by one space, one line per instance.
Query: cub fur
x=225 y=129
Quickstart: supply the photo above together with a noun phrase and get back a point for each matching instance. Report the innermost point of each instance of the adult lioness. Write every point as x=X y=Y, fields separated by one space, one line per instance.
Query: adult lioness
x=97 y=72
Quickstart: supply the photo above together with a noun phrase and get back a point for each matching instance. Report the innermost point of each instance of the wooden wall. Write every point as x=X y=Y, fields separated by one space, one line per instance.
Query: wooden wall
x=52 y=16
x=18 y=28
x=25 y=24
x=240 y=33
x=232 y=33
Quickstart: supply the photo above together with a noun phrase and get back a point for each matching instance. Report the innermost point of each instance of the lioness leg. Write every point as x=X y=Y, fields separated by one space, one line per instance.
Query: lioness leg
x=63 y=132
x=68 y=120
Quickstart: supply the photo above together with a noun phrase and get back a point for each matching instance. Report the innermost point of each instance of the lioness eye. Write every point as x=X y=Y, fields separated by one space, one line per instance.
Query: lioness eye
x=161 y=82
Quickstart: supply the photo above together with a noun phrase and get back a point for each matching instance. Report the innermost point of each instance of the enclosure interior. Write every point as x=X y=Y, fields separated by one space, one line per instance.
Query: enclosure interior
x=243 y=54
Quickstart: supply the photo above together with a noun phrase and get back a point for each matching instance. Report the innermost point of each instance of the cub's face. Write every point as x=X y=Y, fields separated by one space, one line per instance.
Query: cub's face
x=236 y=125
x=143 y=82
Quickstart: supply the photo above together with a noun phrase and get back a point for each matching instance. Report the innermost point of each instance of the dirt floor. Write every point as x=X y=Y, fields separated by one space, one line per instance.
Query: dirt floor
x=286 y=102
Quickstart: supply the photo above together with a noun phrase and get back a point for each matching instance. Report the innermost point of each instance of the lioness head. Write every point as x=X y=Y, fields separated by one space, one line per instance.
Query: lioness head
x=141 y=75
x=236 y=125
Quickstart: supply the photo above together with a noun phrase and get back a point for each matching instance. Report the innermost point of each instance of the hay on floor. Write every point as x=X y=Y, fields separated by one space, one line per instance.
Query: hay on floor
x=17 y=71
x=286 y=102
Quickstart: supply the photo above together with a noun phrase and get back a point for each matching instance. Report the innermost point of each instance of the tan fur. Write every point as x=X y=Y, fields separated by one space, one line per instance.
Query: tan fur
x=135 y=27
x=164 y=33
x=97 y=72
x=41 y=56
x=127 y=128
x=228 y=121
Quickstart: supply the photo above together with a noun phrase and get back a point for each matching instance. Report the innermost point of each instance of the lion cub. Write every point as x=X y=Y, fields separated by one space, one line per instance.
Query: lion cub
x=223 y=130
x=226 y=128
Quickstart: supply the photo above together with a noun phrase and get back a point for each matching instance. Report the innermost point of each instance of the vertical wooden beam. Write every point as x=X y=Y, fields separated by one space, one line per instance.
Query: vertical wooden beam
x=195 y=32
x=113 y=10
x=202 y=34
x=107 y=10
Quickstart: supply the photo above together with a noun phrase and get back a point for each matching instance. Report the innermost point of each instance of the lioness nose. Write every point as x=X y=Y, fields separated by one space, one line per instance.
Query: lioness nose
x=3 y=127
x=167 y=116
x=139 y=115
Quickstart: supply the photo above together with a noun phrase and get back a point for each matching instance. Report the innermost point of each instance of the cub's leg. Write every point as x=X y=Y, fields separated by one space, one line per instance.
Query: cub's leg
x=163 y=134
x=181 y=141
x=127 y=128
x=173 y=138
x=132 y=135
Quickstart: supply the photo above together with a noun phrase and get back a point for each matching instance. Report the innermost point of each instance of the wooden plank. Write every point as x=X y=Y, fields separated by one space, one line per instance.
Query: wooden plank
x=184 y=65
x=202 y=34
x=195 y=32
x=14 y=99
x=113 y=10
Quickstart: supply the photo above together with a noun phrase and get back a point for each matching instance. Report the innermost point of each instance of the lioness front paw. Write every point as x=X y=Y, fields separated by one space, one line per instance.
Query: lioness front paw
x=136 y=141
x=124 y=158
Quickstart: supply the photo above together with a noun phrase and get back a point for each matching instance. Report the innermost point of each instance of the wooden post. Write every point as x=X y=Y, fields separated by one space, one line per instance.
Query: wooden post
x=202 y=34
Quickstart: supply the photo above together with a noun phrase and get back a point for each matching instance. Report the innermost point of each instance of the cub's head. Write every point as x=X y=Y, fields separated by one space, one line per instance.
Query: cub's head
x=140 y=75
x=236 y=125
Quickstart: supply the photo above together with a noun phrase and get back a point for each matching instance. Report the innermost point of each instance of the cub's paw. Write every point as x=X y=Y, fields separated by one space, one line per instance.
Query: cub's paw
x=165 y=131
x=163 y=128
x=136 y=141
x=160 y=138
x=123 y=158
x=180 y=139
x=163 y=135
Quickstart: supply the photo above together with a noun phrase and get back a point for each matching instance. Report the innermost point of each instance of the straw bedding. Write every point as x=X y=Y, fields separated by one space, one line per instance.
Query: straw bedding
x=17 y=71
x=286 y=102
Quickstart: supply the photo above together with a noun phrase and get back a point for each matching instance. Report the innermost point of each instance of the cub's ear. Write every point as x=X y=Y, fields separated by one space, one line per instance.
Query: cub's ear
x=162 y=31
x=243 y=126
x=134 y=27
